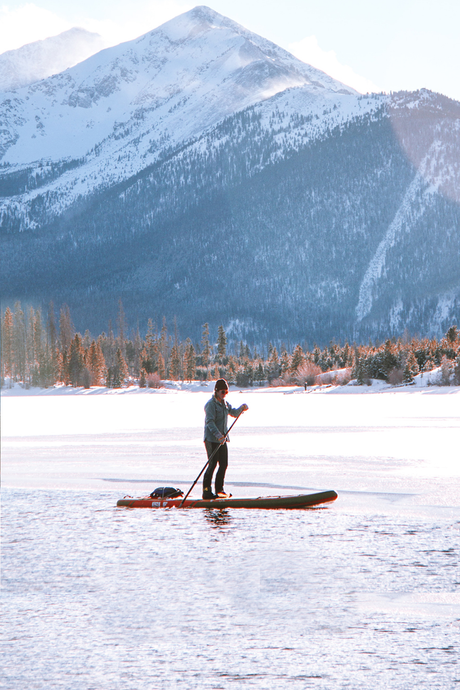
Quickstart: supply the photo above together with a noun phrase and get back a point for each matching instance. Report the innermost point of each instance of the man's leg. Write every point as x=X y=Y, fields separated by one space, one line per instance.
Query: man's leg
x=222 y=459
x=207 y=478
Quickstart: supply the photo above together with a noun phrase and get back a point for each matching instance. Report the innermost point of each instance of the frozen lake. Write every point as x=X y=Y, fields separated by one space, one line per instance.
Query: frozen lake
x=364 y=593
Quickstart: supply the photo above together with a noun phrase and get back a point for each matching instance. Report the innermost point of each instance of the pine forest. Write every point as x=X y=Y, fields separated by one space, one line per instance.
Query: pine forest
x=44 y=352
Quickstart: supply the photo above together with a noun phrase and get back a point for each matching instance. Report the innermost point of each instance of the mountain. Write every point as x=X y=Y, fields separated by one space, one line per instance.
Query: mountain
x=158 y=90
x=202 y=172
x=39 y=60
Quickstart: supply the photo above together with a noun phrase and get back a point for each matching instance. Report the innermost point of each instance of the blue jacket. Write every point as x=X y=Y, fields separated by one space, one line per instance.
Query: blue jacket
x=215 y=424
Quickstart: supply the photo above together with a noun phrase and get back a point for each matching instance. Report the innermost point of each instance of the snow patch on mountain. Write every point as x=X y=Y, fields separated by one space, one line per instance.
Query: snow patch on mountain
x=416 y=199
x=41 y=59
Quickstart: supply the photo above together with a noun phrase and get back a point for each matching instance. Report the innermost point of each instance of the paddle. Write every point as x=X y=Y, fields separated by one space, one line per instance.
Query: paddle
x=209 y=460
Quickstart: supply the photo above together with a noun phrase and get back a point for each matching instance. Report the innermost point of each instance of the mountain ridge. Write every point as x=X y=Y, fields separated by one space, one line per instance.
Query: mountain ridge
x=318 y=203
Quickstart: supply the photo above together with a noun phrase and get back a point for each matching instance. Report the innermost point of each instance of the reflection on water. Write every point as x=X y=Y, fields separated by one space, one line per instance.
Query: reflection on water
x=217 y=517
x=97 y=597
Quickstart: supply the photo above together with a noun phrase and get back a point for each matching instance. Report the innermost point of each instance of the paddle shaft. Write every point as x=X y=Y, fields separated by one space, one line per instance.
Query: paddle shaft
x=209 y=460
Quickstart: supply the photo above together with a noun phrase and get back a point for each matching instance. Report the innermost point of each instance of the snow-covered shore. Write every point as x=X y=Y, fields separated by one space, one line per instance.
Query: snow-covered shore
x=429 y=380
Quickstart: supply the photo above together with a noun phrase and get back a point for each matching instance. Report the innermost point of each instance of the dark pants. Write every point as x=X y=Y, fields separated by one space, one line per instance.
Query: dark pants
x=221 y=458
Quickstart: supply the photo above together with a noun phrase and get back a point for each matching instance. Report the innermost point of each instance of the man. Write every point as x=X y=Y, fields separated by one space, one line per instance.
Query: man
x=217 y=410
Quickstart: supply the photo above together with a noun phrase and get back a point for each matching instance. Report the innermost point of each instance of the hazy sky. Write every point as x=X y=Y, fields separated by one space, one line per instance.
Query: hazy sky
x=371 y=45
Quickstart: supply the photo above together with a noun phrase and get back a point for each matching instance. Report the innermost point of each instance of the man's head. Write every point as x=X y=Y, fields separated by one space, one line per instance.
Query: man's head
x=221 y=389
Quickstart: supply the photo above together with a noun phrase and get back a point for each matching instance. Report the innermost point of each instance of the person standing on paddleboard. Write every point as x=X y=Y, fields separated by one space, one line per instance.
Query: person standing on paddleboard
x=217 y=410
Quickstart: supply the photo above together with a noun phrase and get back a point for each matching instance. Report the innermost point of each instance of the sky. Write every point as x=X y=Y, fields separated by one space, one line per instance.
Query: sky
x=369 y=45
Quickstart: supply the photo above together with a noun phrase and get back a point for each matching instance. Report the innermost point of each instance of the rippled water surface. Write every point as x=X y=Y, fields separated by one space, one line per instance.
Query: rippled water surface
x=100 y=597
x=363 y=593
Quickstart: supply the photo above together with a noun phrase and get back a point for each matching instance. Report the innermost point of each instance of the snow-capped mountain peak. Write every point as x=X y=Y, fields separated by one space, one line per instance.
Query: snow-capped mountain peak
x=191 y=72
x=41 y=59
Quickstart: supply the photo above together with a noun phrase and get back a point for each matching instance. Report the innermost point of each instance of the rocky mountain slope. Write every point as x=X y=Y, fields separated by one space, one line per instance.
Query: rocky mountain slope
x=204 y=173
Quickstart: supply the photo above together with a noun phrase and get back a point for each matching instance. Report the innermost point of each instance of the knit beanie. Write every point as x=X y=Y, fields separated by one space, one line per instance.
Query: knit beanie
x=221 y=385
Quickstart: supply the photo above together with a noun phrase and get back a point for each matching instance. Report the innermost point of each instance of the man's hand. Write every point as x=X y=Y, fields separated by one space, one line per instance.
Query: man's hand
x=244 y=408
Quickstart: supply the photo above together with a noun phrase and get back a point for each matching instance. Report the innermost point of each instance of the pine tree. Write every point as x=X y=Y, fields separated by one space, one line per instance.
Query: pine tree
x=248 y=373
x=205 y=347
x=285 y=363
x=86 y=340
x=189 y=361
x=161 y=367
x=46 y=367
x=66 y=329
x=121 y=323
x=411 y=368
x=389 y=359
x=456 y=379
x=149 y=354
x=95 y=363
x=358 y=371
x=163 y=342
x=8 y=344
x=53 y=355
x=31 y=364
x=452 y=334
x=259 y=374
x=273 y=365
x=57 y=359
x=146 y=362
x=137 y=343
x=175 y=363
x=76 y=361
x=39 y=337
x=119 y=371
x=316 y=354
x=297 y=359
x=51 y=326
x=109 y=347
x=221 y=344
x=232 y=368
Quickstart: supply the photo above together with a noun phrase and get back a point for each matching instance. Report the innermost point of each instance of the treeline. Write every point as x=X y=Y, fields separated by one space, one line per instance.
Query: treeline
x=38 y=351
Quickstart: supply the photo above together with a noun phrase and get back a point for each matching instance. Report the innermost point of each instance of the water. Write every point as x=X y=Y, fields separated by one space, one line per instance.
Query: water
x=100 y=597
x=364 y=593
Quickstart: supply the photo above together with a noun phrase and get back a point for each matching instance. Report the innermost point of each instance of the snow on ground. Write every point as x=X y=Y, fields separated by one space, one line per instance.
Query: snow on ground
x=398 y=446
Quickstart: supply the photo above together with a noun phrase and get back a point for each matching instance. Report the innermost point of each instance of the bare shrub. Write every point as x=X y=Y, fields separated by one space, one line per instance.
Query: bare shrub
x=447 y=370
x=275 y=383
x=396 y=376
x=154 y=380
x=285 y=380
x=343 y=377
x=336 y=378
x=307 y=373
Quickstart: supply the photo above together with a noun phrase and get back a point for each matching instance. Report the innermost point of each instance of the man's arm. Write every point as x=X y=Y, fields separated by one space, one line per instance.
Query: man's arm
x=234 y=412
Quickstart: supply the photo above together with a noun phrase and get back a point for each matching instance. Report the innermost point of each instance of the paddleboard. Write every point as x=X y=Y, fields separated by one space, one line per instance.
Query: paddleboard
x=265 y=502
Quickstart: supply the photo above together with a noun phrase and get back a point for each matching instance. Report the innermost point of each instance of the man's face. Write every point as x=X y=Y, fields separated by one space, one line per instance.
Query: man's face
x=220 y=395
